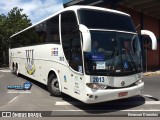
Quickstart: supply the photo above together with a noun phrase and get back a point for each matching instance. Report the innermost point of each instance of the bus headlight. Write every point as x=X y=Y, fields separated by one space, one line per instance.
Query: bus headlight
x=139 y=82
x=96 y=86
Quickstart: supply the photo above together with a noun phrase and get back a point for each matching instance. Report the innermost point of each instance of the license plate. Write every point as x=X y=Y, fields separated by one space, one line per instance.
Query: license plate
x=122 y=94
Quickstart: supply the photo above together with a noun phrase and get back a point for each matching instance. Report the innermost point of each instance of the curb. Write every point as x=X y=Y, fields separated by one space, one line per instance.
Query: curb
x=151 y=73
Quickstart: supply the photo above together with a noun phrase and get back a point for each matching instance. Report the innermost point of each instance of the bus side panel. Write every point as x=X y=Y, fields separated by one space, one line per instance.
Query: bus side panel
x=36 y=62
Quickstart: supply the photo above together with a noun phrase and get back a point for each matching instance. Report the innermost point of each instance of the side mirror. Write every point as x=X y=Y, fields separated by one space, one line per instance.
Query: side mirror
x=152 y=36
x=86 y=38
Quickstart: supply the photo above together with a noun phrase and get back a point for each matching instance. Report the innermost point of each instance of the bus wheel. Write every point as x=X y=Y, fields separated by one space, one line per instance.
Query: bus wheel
x=53 y=86
x=13 y=68
x=17 y=71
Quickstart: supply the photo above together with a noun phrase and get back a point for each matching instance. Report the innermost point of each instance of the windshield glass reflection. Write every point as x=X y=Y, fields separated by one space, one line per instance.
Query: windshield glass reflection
x=113 y=53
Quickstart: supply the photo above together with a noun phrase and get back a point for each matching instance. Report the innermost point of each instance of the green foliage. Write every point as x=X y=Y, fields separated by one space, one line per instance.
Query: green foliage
x=17 y=21
x=10 y=24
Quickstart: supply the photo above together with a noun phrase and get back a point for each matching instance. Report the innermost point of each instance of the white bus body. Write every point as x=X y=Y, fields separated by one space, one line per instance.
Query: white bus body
x=114 y=74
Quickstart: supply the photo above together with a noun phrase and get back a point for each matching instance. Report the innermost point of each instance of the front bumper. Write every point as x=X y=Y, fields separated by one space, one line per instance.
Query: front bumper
x=96 y=96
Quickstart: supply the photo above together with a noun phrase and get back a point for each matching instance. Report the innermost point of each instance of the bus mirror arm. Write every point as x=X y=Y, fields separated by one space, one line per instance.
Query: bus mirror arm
x=152 y=36
x=86 y=38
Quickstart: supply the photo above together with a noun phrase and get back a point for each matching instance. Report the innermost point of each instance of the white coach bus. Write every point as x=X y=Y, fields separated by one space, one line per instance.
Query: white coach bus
x=92 y=54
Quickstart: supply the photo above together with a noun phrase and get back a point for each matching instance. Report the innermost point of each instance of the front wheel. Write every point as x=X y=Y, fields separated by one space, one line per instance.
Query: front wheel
x=53 y=86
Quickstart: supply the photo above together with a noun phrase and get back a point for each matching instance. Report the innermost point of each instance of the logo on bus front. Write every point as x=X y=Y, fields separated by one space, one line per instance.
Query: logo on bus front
x=30 y=67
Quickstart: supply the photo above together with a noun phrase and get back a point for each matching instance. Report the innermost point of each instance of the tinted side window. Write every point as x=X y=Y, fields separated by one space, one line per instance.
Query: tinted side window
x=40 y=33
x=52 y=29
x=45 y=32
x=68 y=25
x=71 y=40
x=26 y=38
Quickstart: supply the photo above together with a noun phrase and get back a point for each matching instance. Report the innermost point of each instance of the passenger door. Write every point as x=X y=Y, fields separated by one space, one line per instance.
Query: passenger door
x=71 y=44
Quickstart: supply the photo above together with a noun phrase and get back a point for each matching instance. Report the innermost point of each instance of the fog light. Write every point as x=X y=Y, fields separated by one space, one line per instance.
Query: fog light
x=96 y=86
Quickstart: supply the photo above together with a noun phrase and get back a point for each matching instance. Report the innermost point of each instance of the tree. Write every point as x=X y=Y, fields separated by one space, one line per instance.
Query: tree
x=2 y=25
x=2 y=21
x=14 y=22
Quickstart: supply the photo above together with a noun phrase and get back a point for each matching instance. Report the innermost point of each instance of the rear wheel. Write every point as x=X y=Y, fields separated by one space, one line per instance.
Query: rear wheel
x=13 y=68
x=53 y=85
x=17 y=71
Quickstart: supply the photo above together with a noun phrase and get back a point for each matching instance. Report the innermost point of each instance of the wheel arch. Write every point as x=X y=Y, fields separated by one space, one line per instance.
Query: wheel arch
x=55 y=72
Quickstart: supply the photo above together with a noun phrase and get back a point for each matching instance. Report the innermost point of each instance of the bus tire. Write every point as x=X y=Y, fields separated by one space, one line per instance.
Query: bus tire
x=17 y=71
x=53 y=86
x=13 y=68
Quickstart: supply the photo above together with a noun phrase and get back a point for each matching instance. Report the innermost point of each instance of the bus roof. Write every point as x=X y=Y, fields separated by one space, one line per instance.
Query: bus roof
x=74 y=8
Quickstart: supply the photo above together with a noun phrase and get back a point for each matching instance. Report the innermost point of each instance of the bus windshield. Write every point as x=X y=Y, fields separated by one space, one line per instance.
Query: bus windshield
x=97 y=19
x=113 y=53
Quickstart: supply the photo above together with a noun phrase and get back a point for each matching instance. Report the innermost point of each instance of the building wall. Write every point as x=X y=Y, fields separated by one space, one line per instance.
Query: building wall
x=153 y=58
